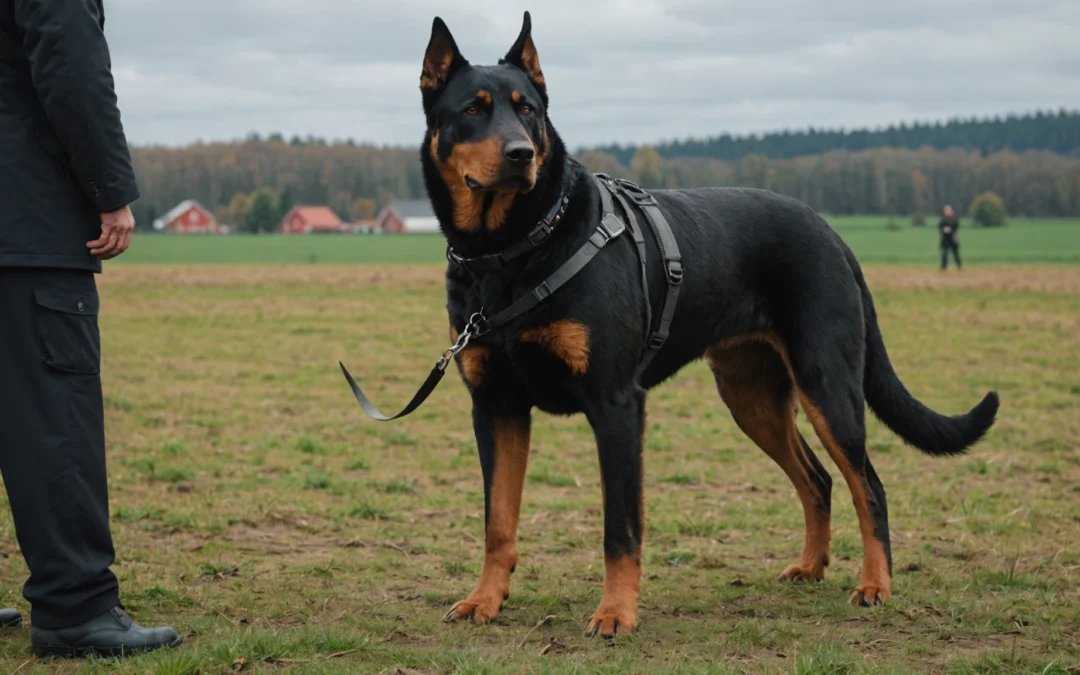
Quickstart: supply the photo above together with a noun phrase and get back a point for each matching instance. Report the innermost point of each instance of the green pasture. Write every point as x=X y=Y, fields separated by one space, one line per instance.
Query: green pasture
x=257 y=510
x=1021 y=241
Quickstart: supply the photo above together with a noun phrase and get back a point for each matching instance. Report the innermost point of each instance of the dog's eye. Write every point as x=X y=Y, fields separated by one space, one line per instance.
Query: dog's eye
x=526 y=110
x=471 y=110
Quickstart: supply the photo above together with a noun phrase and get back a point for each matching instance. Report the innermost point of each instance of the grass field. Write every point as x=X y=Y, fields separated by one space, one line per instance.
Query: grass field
x=256 y=509
x=1021 y=241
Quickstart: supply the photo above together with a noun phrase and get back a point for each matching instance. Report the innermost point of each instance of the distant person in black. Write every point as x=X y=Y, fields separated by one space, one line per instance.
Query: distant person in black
x=947 y=226
x=66 y=183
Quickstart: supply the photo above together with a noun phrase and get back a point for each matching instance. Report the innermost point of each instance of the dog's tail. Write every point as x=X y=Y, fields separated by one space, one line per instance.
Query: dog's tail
x=918 y=425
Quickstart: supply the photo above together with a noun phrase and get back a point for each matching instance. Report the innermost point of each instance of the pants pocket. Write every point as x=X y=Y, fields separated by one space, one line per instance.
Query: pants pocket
x=67 y=329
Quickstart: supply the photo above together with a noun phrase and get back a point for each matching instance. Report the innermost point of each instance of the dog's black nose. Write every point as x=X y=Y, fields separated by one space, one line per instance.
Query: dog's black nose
x=520 y=152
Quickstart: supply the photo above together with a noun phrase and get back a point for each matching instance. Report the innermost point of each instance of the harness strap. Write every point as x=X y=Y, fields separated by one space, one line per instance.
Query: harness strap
x=626 y=191
x=610 y=227
x=607 y=185
x=669 y=248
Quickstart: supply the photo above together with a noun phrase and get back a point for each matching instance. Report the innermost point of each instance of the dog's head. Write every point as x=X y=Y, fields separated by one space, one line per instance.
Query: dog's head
x=487 y=128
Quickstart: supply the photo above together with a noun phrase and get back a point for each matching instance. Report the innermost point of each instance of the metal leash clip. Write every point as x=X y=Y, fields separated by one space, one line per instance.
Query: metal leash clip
x=472 y=329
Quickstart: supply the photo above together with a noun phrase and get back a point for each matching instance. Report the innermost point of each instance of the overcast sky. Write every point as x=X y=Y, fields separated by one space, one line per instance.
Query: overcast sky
x=630 y=70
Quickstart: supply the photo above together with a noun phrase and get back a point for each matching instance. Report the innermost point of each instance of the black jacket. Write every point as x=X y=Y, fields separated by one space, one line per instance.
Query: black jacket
x=63 y=156
x=948 y=238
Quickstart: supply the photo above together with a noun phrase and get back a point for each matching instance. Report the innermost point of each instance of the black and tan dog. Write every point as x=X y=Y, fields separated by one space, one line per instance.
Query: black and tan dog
x=772 y=299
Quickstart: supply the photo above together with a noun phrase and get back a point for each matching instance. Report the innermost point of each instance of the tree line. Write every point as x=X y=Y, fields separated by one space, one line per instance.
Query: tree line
x=253 y=183
x=1054 y=131
x=885 y=180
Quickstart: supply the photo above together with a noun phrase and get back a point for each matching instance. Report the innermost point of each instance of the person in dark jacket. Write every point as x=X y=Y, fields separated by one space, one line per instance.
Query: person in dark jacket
x=65 y=185
x=947 y=226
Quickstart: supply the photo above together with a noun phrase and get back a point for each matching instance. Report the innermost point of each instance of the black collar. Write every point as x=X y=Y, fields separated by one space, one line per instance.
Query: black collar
x=536 y=236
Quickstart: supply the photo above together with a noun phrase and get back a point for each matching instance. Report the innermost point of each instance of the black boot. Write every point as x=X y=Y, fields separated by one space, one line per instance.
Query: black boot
x=111 y=634
x=9 y=618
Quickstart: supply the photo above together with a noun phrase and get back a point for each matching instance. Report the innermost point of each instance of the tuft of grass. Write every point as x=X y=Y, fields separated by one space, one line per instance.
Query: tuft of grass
x=404 y=486
x=317 y=479
x=119 y=404
x=174 y=449
x=177 y=663
x=826 y=660
x=366 y=511
x=545 y=475
x=358 y=465
x=309 y=445
x=175 y=474
x=698 y=528
x=166 y=474
x=134 y=514
x=679 y=558
x=398 y=439
x=1051 y=468
x=680 y=478
x=278 y=646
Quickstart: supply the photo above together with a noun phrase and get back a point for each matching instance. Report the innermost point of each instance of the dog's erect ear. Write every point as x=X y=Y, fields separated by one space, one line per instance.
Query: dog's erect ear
x=523 y=54
x=441 y=59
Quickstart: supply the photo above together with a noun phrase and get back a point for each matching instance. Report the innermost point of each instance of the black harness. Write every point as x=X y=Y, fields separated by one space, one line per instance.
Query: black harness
x=628 y=194
x=611 y=226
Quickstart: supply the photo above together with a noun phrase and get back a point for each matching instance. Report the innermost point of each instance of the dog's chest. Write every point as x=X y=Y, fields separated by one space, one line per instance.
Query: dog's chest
x=553 y=385
x=547 y=367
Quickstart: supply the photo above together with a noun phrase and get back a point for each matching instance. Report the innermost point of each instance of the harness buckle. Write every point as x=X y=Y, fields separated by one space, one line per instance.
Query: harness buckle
x=675 y=272
x=540 y=233
x=611 y=226
x=637 y=194
x=656 y=341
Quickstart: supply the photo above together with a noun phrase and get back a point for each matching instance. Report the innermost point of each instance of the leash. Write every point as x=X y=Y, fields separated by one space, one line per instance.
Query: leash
x=432 y=381
x=610 y=227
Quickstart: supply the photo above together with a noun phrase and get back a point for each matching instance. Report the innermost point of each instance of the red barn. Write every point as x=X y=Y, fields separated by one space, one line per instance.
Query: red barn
x=188 y=217
x=305 y=219
x=413 y=215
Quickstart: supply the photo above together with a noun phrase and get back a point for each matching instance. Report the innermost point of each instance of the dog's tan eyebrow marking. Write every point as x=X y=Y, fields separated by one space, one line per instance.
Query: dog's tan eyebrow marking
x=484 y=96
x=516 y=97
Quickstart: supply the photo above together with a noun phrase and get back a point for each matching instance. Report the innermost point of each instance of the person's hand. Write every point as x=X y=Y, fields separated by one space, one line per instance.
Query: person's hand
x=116 y=229
x=948 y=230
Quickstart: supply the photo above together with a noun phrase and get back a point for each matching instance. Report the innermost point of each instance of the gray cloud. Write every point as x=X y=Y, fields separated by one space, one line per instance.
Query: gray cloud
x=640 y=70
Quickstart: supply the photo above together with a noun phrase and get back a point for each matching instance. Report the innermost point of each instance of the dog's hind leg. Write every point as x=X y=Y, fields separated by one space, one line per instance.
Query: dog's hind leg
x=618 y=422
x=829 y=372
x=756 y=384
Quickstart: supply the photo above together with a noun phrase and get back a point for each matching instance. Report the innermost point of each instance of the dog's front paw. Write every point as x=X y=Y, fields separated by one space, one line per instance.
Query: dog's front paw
x=798 y=573
x=609 y=621
x=867 y=595
x=481 y=609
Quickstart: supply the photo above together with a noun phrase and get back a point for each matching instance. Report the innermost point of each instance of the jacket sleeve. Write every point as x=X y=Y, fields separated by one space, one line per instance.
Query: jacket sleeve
x=64 y=43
